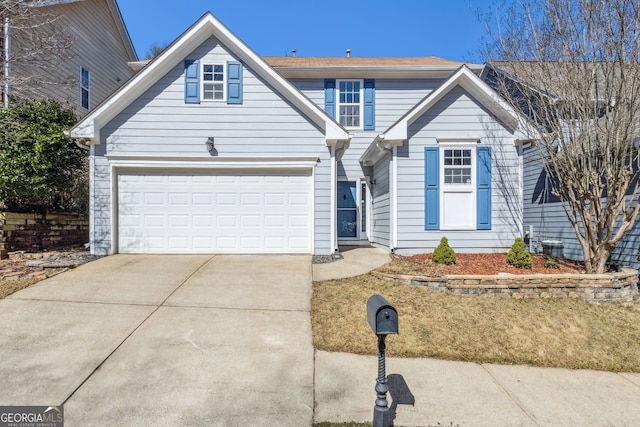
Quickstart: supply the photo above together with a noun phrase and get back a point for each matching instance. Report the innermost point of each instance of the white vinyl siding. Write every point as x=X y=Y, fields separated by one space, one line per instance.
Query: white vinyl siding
x=381 y=213
x=394 y=97
x=458 y=116
x=159 y=125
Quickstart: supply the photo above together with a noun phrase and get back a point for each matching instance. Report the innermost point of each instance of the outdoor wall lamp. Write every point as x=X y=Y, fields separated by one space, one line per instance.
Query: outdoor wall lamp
x=210 y=145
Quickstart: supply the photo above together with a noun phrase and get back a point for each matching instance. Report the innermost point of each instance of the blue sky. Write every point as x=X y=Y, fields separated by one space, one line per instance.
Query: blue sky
x=444 y=28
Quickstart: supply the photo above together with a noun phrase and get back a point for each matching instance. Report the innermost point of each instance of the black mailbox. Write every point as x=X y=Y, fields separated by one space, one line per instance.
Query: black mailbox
x=382 y=317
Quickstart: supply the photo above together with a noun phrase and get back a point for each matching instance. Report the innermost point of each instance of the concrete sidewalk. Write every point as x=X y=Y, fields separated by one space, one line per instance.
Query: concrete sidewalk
x=428 y=392
x=356 y=261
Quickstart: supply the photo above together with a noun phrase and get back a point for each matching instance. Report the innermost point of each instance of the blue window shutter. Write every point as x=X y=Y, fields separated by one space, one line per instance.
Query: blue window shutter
x=192 y=81
x=330 y=97
x=484 y=188
x=369 y=105
x=234 y=82
x=431 y=188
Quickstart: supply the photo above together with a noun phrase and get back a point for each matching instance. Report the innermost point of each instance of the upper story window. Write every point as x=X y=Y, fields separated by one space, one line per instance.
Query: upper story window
x=213 y=82
x=350 y=103
x=85 y=87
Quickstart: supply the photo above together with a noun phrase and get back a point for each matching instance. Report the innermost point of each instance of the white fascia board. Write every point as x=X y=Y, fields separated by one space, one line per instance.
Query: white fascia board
x=469 y=81
x=200 y=163
x=173 y=55
x=377 y=148
x=89 y=127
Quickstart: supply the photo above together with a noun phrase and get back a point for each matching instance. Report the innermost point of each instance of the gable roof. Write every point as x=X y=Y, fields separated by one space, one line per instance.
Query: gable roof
x=396 y=134
x=207 y=26
x=117 y=17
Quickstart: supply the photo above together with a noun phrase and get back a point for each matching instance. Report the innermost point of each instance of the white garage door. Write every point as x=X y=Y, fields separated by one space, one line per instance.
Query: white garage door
x=221 y=212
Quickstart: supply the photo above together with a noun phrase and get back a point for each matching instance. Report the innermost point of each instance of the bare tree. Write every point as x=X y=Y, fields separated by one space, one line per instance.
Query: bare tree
x=34 y=45
x=572 y=67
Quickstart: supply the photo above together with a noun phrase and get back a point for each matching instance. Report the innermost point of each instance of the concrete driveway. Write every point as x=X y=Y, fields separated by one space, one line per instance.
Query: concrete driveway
x=164 y=340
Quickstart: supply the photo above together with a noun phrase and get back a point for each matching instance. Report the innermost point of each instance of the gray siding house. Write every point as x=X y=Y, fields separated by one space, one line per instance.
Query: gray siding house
x=211 y=148
x=93 y=66
x=544 y=220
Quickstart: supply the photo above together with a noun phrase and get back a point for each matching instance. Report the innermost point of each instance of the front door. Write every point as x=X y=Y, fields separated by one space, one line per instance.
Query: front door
x=347 y=210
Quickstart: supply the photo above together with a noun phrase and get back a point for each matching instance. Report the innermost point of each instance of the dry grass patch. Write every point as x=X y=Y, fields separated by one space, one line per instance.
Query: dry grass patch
x=566 y=332
x=7 y=287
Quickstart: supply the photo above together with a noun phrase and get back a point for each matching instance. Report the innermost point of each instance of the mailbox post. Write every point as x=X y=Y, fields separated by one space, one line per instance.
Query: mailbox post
x=383 y=319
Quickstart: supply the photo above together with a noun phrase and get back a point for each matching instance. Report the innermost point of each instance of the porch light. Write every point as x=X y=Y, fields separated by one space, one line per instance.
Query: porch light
x=210 y=145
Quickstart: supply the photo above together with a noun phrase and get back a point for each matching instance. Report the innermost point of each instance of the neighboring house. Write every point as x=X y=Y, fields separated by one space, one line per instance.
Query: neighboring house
x=544 y=220
x=84 y=74
x=211 y=148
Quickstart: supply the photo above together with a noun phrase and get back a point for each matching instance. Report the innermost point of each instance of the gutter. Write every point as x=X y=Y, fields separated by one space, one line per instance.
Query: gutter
x=377 y=149
x=84 y=143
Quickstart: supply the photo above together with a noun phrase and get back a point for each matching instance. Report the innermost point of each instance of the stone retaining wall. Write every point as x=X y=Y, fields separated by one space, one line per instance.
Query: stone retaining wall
x=620 y=287
x=33 y=232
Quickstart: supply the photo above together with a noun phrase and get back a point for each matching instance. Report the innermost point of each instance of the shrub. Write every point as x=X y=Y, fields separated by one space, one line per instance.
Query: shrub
x=443 y=254
x=39 y=165
x=518 y=256
x=551 y=263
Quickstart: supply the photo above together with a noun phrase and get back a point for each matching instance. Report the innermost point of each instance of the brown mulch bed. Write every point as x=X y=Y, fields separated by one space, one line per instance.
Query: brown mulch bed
x=488 y=264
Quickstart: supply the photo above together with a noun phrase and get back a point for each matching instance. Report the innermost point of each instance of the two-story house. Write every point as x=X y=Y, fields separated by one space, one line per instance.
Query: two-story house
x=74 y=51
x=212 y=148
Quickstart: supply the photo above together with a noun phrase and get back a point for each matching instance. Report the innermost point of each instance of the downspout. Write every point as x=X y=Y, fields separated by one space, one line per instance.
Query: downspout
x=5 y=57
x=394 y=199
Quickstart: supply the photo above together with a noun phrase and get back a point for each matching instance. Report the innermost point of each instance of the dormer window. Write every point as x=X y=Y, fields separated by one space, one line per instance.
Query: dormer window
x=350 y=103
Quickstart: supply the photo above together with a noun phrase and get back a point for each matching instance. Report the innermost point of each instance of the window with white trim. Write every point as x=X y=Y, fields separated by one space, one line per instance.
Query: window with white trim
x=85 y=87
x=457 y=166
x=350 y=99
x=213 y=82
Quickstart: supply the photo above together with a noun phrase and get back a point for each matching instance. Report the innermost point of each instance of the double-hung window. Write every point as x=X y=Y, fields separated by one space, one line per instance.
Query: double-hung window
x=350 y=103
x=85 y=86
x=213 y=82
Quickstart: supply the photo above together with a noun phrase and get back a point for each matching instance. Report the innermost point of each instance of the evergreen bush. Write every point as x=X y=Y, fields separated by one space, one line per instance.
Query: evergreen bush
x=443 y=254
x=518 y=256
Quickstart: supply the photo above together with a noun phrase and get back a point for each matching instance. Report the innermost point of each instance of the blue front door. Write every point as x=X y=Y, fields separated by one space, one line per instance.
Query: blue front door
x=347 y=210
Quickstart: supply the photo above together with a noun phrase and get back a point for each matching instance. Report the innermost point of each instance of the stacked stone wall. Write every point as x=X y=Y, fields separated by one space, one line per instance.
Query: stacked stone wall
x=618 y=288
x=32 y=232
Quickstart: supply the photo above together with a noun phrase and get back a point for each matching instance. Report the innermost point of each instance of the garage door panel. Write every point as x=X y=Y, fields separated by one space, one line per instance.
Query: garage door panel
x=195 y=212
